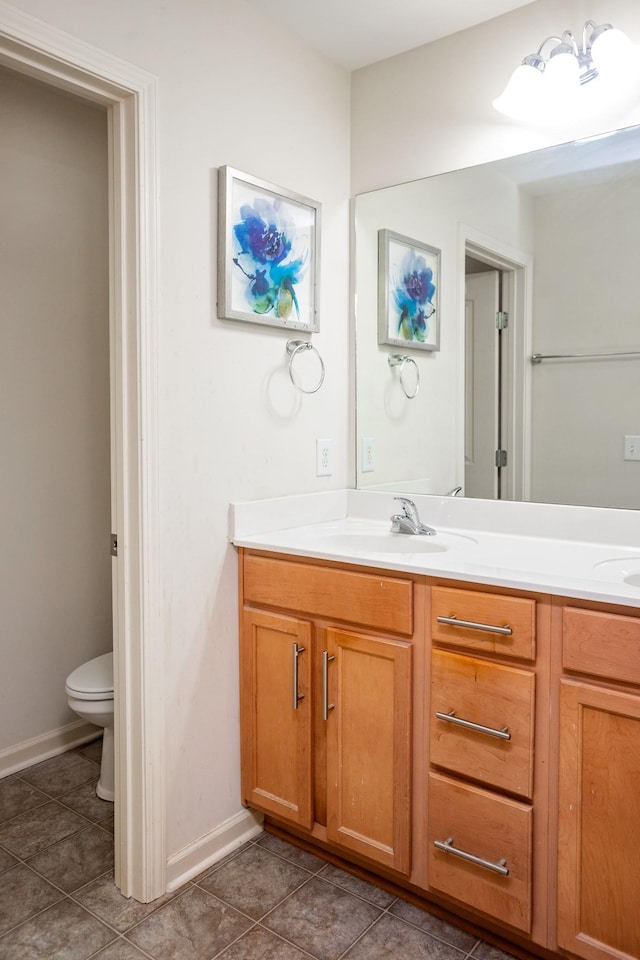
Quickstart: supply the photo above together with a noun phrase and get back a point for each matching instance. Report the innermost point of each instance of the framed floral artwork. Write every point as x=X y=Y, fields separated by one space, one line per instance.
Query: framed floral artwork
x=268 y=253
x=408 y=292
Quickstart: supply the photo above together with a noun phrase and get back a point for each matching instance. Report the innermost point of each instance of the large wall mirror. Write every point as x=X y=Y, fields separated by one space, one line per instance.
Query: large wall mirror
x=534 y=392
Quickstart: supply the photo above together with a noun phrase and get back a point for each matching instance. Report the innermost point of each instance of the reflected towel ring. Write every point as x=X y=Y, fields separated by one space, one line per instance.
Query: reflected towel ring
x=400 y=358
x=293 y=348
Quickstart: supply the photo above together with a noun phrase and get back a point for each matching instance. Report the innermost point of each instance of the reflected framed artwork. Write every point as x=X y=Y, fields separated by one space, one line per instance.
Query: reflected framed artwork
x=268 y=253
x=408 y=292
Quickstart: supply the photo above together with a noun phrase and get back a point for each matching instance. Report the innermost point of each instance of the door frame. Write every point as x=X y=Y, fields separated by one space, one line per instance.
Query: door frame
x=517 y=269
x=36 y=49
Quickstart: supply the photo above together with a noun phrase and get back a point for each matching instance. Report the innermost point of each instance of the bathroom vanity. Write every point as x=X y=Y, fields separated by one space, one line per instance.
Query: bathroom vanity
x=459 y=715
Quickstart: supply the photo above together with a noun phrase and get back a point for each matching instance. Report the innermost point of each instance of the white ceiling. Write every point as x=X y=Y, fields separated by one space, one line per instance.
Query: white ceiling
x=355 y=33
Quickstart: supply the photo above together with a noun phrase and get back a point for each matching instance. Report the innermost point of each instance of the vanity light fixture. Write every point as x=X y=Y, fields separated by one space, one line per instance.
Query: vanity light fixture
x=570 y=80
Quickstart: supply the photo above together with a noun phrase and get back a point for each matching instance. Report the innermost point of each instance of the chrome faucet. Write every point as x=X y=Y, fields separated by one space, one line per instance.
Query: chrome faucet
x=454 y=491
x=408 y=521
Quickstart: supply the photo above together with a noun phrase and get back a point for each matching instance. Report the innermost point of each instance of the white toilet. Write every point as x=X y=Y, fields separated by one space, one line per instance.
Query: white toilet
x=90 y=693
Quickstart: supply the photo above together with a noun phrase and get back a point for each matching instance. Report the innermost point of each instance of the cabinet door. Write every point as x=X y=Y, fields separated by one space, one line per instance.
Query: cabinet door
x=369 y=747
x=599 y=822
x=276 y=715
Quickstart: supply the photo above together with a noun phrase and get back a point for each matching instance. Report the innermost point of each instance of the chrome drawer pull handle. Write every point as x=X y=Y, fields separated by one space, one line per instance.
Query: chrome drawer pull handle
x=453 y=621
x=447 y=847
x=450 y=717
x=326 y=706
x=296 y=696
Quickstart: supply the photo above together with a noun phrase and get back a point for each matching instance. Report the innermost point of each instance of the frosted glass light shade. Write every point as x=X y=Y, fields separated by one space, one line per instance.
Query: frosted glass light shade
x=612 y=50
x=561 y=85
x=523 y=94
x=562 y=74
x=616 y=58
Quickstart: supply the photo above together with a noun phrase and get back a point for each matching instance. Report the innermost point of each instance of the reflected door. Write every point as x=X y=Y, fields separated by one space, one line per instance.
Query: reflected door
x=482 y=400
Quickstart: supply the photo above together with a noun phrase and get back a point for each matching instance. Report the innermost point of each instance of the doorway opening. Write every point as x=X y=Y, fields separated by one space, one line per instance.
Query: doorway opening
x=32 y=47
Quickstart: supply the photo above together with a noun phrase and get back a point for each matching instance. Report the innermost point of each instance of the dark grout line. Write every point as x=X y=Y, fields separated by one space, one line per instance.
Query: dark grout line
x=363 y=934
x=278 y=936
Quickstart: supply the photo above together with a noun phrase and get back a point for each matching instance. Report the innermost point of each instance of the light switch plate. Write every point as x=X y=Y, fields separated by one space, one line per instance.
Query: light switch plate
x=324 y=458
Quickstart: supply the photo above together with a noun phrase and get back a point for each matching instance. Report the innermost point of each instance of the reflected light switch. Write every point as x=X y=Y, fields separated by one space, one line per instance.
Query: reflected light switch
x=367 y=460
x=632 y=448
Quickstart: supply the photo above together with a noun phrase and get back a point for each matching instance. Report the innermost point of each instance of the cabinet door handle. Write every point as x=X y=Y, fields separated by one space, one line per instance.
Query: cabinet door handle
x=447 y=847
x=450 y=717
x=326 y=706
x=453 y=621
x=297 y=697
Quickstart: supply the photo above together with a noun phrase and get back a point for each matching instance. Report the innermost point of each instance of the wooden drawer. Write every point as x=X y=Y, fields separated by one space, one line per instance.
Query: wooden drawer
x=384 y=603
x=492 y=828
x=601 y=644
x=494 y=697
x=485 y=610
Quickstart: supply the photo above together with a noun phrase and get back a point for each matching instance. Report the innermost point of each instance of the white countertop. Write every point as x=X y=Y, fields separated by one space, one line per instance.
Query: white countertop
x=579 y=552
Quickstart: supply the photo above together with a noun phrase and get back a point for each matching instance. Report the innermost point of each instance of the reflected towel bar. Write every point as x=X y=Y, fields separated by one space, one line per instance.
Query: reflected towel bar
x=539 y=357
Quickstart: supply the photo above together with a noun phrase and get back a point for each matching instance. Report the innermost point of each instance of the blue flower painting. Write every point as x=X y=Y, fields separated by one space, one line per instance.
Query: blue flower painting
x=268 y=270
x=270 y=257
x=409 y=281
x=413 y=293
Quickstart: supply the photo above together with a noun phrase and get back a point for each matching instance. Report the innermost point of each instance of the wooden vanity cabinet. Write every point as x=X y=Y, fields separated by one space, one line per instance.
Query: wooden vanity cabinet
x=599 y=782
x=495 y=770
x=326 y=703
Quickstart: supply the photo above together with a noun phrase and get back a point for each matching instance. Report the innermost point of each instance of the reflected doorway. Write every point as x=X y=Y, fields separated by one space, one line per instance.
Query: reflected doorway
x=494 y=396
x=483 y=356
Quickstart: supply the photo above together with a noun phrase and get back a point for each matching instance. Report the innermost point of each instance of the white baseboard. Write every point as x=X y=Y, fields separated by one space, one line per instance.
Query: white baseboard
x=47 y=745
x=207 y=850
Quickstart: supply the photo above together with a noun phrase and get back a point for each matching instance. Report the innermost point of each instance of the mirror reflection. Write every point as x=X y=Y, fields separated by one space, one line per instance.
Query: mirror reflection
x=539 y=259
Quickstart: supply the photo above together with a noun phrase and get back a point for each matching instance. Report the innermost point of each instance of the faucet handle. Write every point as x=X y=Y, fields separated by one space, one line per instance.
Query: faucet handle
x=409 y=508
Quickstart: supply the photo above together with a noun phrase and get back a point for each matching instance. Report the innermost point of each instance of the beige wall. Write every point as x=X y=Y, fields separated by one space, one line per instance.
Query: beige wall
x=232 y=89
x=54 y=388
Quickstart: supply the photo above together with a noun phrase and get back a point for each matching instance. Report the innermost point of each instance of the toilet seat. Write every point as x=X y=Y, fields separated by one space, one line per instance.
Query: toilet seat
x=92 y=680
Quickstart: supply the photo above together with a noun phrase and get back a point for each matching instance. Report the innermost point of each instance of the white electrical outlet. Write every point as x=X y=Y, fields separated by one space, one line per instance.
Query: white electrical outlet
x=367 y=459
x=324 y=458
x=632 y=448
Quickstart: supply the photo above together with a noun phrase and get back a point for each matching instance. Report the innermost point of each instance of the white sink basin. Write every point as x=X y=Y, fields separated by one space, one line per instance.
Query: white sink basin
x=362 y=541
x=367 y=539
x=625 y=569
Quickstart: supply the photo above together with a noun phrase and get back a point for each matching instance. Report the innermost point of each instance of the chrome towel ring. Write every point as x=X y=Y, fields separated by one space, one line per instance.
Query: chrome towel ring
x=402 y=360
x=294 y=347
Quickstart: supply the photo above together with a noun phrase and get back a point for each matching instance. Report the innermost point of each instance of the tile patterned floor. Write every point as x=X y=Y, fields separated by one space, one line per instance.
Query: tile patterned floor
x=267 y=901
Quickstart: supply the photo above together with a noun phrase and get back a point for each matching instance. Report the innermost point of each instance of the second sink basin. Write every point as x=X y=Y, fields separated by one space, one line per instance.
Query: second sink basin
x=625 y=569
